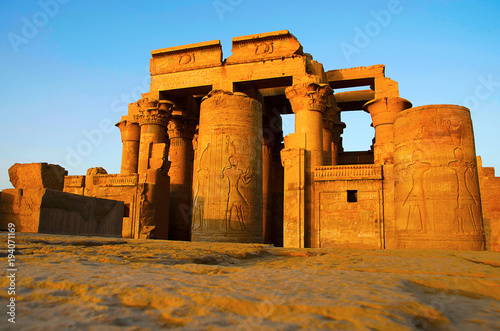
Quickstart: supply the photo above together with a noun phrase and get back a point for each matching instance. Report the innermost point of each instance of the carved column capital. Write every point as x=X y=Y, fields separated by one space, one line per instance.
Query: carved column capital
x=308 y=96
x=338 y=129
x=129 y=130
x=181 y=127
x=153 y=111
x=329 y=117
x=383 y=110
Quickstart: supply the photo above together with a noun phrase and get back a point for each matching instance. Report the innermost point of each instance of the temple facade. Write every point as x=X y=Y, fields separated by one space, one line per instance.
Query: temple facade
x=204 y=157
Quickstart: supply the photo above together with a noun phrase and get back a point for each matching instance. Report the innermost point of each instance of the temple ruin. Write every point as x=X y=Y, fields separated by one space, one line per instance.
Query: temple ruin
x=204 y=157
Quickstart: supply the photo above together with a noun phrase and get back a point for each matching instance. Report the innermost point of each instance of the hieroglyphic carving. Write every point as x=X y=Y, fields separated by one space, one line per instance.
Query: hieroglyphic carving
x=146 y=213
x=465 y=200
x=235 y=199
x=195 y=139
x=230 y=148
x=415 y=200
x=437 y=201
x=187 y=58
x=264 y=48
x=232 y=206
x=454 y=127
x=201 y=181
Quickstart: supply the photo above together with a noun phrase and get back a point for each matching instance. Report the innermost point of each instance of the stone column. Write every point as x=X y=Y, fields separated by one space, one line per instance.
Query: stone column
x=309 y=102
x=383 y=111
x=130 y=132
x=267 y=164
x=153 y=119
x=227 y=204
x=437 y=198
x=180 y=131
x=338 y=129
x=277 y=185
x=328 y=138
x=153 y=190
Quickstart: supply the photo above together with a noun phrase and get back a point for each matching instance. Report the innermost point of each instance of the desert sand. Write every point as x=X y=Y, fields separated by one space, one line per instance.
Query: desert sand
x=97 y=283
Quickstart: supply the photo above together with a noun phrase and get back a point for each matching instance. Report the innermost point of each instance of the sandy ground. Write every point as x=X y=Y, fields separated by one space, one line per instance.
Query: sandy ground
x=92 y=283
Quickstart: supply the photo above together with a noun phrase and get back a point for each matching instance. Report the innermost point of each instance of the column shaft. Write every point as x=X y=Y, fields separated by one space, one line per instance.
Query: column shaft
x=180 y=132
x=227 y=204
x=130 y=132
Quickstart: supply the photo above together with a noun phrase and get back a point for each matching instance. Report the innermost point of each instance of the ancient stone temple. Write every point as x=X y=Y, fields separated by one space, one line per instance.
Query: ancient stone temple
x=204 y=157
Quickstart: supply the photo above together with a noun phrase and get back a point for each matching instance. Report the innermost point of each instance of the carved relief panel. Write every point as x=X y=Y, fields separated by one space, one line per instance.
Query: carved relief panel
x=436 y=187
x=227 y=191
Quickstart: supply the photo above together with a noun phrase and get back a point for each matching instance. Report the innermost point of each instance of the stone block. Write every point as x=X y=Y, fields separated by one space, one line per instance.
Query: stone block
x=55 y=212
x=37 y=175
x=66 y=213
x=187 y=57
x=264 y=46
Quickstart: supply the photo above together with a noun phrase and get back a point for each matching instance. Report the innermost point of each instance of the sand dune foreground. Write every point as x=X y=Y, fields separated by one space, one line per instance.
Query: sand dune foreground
x=95 y=283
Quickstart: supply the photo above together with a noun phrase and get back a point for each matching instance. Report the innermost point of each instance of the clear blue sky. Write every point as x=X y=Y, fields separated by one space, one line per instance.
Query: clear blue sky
x=67 y=68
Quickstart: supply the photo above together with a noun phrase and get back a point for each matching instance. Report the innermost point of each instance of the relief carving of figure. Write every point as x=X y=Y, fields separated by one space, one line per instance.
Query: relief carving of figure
x=202 y=178
x=465 y=199
x=230 y=148
x=415 y=200
x=235 y=200
x=454 y=127
x=146 y=227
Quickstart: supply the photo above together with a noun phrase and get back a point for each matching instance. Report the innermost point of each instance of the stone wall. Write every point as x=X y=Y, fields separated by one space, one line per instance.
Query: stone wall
x=490 y=202
x=116 y=187
x=349 y=206
x=49 y=211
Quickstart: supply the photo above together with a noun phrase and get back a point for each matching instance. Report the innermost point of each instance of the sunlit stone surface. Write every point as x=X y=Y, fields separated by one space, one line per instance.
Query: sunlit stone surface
x=123 y=284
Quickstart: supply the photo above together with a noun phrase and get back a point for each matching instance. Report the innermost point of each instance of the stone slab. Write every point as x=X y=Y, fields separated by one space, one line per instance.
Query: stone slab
x=187 y=57
x=37 y=175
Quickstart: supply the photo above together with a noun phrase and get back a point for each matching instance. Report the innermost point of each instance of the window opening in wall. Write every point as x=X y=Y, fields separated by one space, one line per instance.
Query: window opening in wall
x=288 y=123
x=352 y=195
x=358 y=134
x=126 y=210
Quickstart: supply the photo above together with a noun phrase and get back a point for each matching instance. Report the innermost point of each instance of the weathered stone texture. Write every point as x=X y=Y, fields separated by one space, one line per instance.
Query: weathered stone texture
x=349 y=206
x=37 y=175
x=437 y=200
x=490 y=202
x=265 y=46
x=56 y=212
x=227 y=203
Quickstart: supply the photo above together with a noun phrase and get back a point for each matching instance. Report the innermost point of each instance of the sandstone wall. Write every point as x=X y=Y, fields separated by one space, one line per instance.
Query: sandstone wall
x=349 y=206
x=55 y=212
x=490 y=202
